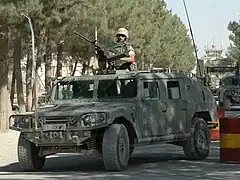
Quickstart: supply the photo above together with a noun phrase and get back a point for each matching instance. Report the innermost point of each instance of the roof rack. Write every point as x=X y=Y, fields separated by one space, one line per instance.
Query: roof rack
x=159 y=70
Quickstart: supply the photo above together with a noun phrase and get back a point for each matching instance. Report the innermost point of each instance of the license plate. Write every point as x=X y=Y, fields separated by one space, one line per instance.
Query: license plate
x=54 y=127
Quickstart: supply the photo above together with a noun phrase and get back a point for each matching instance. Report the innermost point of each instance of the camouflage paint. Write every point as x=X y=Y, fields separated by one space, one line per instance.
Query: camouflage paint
x=152 y=120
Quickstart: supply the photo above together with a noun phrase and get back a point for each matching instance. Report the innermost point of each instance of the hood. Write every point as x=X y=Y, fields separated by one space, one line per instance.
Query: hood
x=78 y=109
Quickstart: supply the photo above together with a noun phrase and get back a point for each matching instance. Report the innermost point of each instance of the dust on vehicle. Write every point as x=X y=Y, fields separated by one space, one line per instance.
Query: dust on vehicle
x=109 y=115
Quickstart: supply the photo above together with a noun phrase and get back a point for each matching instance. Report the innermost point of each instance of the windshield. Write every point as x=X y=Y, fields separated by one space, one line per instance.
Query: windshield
x=74 y=90
x=230 y=81
x=119 y=88
x=220 y=69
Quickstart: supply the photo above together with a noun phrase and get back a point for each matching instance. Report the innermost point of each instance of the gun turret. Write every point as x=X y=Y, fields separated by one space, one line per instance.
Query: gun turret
x=107 y=54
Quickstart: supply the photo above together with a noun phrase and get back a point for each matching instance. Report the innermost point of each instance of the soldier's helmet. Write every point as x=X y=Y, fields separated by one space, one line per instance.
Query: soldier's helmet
x=122 y=31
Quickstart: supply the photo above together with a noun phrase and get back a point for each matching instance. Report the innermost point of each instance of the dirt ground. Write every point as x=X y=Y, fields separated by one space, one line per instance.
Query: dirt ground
x=8 y=147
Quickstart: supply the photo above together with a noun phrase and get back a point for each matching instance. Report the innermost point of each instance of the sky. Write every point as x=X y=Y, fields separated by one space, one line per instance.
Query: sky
x=209 y=20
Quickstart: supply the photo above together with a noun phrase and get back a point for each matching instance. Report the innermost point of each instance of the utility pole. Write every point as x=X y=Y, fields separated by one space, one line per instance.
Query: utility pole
x=34 y=67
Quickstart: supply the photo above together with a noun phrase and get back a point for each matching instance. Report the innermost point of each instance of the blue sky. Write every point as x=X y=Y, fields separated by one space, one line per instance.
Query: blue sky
x=209 y=19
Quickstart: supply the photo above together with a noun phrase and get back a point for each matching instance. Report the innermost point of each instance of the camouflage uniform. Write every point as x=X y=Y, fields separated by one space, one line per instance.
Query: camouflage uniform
x=131 y=53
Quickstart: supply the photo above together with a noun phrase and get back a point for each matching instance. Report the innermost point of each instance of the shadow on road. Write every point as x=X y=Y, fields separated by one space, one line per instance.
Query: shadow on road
x=142 y=165
x=93 y=164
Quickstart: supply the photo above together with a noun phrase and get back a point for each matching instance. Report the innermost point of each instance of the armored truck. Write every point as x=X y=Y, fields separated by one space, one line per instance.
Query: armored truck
x=229 y=91
x=216 y=69
x=110 y=115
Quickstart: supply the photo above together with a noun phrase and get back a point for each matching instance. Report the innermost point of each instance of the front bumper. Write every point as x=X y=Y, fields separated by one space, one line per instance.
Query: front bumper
x=54 y=133
x=58 y=138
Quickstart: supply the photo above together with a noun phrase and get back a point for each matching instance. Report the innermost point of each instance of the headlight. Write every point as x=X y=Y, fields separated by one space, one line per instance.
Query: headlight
x=25 y=120
x=12 y=121
x=18 y=121
x=72 y=120
x=93 y=119
x=89 y=120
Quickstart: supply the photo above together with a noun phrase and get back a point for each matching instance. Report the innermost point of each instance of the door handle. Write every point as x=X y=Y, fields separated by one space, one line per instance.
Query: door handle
x=184 y=109
x=164 y=110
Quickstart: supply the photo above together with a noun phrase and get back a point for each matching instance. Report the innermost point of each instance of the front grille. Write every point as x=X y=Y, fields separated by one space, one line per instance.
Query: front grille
x=53 y=120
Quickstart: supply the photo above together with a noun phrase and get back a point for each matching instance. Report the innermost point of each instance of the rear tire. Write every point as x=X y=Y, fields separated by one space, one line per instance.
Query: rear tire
x=28 y=155
x=115 y=148
x=198 y=145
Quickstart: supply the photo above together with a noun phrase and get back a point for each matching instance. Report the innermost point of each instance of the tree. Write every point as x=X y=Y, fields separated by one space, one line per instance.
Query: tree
x=158 y=36
x=6 y=11
x=234 y=48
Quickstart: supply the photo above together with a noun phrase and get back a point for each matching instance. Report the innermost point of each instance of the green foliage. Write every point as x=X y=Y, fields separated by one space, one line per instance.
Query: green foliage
x=158 y=36
x=234 y=48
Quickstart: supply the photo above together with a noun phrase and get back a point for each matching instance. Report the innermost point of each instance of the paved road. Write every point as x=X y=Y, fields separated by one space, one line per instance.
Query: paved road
x=150 y=162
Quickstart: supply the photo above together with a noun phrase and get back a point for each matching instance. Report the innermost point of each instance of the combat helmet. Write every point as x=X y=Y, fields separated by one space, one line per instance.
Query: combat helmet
x=123 y=31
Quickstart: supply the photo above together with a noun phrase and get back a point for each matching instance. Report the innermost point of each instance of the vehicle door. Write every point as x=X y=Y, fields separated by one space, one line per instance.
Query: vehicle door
x=177 y=107
x=153 y=109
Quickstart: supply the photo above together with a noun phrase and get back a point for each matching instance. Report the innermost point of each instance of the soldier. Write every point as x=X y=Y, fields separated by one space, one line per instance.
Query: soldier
x=122 y=36
x=207 y=79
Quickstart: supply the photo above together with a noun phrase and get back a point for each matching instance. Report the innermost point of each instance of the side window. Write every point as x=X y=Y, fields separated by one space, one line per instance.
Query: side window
x=173 y=90
x=64 y=91
x=151 y=90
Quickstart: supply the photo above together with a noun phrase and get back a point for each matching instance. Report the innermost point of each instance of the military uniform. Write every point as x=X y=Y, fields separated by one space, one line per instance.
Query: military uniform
x=130 y=51
x=127 y=65
x=121 y=46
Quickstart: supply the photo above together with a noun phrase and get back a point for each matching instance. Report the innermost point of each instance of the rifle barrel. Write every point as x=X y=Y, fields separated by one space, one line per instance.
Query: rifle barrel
x=92 y=42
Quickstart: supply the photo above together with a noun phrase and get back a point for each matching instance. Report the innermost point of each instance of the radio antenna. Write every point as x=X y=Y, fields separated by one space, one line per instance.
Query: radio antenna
x=194 y=45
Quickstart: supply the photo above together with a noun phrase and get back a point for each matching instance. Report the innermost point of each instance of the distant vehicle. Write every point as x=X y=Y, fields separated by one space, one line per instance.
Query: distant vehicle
x=214 y=66
x=229 y=91
x=218 y=69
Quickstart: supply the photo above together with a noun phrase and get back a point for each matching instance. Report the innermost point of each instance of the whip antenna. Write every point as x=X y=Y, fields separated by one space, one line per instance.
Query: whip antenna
x=194 y=45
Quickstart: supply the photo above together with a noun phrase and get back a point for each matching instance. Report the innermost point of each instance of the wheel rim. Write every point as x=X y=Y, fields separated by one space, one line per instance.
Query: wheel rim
x=201 y=140
x=122 y=150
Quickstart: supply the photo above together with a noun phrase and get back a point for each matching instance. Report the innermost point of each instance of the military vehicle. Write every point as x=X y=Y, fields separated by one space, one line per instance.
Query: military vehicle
x=229 y=91
x=216 y=66
x=218 y=69
x=109 y=115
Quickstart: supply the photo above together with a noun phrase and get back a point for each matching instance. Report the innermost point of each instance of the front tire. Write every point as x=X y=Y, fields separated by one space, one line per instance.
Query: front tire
x=115 y=148
x=198 y=145
x=28 y=155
